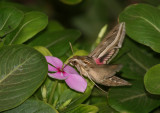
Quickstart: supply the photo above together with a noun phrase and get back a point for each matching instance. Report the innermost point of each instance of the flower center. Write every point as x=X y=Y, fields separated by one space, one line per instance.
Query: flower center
x=60 y=70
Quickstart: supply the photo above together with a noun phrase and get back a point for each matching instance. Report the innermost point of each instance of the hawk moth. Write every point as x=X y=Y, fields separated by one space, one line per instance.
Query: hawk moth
x=95 y=66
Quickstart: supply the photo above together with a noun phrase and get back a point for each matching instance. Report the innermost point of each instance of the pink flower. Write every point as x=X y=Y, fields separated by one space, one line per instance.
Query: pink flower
x=69 y=74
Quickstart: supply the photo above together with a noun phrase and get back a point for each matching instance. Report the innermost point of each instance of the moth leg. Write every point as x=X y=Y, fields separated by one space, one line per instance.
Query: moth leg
x=115 y=81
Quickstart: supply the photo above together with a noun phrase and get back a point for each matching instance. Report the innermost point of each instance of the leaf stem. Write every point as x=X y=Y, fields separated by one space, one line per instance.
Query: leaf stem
x=52 y=92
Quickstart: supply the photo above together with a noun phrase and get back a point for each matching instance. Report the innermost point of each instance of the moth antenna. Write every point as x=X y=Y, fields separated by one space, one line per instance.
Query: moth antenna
x=71 y=47
x=97 y=85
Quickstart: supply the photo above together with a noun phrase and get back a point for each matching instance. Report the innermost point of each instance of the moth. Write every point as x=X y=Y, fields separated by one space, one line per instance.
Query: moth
x=95 y=66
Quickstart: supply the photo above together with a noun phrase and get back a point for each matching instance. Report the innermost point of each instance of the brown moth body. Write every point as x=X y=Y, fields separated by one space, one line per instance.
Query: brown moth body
x=95 y=66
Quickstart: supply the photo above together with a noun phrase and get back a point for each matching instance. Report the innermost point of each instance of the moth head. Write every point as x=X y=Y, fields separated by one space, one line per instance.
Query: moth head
x=80 y=60
x=73 y=61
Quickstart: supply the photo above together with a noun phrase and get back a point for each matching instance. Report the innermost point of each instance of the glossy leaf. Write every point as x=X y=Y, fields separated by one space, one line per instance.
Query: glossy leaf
x=76 y=98
x=105 y=108
x=22 y=71
x=84 y=108
x=57 y=42
x=32 y=23
x=54 y=26
x=136 y=59
x=152 y=78
x=142 y=24
x=98 y=98
x=64 y=98
x=43 y=50
x=33 y=106
x=98 y=95
x=132 y=99
x=10 y=18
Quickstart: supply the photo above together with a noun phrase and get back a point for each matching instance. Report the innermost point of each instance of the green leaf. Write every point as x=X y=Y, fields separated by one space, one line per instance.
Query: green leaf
x=77 y=98
x=32 y=23
x=10 y=18
x=84 y=108
x=54 y=26
x=105 y=108
x=19 y=6
x=33 y=106
x=57 y=42
x=64 y=98
x=71 y=2
x=132 y=99
x=98 y=98
x=136 y=59
x=142 y=24
x=22 y=71
x=152 y=78
x=43 y=50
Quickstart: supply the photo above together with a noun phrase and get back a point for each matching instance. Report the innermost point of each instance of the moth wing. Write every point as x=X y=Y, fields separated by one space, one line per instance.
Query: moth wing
x=106 y=76
x=115 y=81
x=109 y=46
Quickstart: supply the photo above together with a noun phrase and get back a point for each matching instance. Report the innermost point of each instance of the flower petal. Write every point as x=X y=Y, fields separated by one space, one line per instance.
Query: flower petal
x=70 y=69
x=51 y=68
x=58 y=75
x=54 y=61
x=76 y=82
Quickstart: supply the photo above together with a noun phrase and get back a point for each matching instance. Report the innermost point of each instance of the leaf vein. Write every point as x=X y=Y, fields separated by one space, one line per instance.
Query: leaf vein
x=133 y=97
x=22 y=28
x=16 y=68
x=147 y=21
x=5 y=21
x=137 y=62
x=51 y=44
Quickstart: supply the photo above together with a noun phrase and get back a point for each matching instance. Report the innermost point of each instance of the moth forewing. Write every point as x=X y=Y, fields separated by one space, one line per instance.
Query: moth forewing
x=104 y=75
x=110 y=45
x=117 y=41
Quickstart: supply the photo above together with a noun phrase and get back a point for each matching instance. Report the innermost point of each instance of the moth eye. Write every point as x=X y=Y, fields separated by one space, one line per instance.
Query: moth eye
x=74 y=62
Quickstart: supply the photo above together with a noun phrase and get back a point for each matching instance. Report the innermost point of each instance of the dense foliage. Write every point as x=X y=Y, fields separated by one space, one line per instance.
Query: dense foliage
x=28 y=33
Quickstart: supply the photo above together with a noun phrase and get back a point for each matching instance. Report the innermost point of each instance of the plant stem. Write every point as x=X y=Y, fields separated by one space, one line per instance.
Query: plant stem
x=52 y=92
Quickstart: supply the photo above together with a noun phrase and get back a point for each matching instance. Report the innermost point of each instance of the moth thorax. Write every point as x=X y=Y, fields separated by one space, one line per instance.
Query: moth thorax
x=87 y=62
